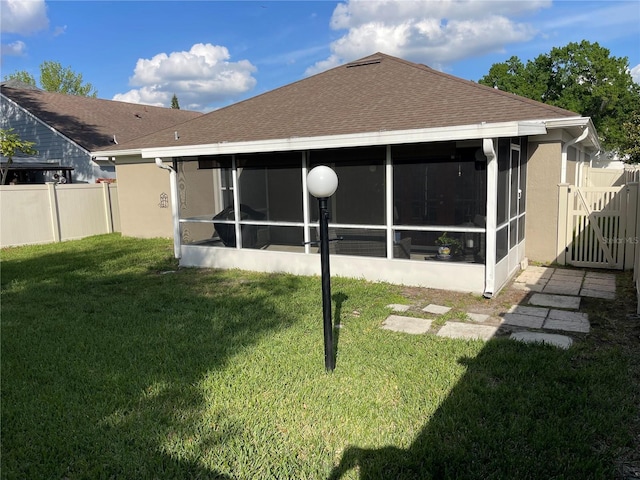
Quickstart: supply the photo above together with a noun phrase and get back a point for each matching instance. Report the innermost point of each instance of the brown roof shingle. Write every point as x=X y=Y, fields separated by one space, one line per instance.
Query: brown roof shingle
x=376 y=93
x=92 y=122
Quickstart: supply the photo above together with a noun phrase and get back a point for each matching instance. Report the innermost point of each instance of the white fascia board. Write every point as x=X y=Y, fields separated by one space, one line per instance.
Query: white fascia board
x=117 y=153
x=580 y=122
x=462 y=132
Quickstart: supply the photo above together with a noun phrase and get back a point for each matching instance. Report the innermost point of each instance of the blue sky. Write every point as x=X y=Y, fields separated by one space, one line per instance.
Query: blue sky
x=213 y=53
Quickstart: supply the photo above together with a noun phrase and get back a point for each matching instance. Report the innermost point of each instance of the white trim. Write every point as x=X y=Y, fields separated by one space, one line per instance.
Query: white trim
x=492 y=216
x=459 y=132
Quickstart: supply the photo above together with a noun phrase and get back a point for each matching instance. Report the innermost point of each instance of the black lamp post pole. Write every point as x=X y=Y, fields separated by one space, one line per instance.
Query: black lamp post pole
x=329 y=361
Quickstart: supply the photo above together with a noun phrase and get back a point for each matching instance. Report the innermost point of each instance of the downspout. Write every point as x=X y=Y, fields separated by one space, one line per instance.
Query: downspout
x=492 y=217
x=565 y=148
x=173 y=182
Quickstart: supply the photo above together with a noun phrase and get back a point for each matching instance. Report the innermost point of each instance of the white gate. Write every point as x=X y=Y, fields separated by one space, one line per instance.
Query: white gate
x=600 y=226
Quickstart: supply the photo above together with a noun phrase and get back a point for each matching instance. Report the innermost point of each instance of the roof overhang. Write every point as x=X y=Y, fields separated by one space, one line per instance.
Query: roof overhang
x=423 y=135
x=575 y=126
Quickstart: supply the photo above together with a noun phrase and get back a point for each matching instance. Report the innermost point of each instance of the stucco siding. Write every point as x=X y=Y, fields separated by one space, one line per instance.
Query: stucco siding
x=544 y=169
x=145 y=197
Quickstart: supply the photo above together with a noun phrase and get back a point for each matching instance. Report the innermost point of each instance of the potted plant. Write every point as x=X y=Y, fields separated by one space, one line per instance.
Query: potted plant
x=448 y=247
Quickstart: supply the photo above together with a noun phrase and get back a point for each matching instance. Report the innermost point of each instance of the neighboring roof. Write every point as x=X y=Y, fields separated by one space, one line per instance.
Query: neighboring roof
x=92 y=123
x=378 y=93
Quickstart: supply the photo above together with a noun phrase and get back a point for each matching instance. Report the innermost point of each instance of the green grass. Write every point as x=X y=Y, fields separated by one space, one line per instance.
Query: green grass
x=113 y=368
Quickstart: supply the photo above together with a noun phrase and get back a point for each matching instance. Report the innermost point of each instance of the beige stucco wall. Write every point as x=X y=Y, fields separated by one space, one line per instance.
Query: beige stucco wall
x=543 y=177
x=140 y=186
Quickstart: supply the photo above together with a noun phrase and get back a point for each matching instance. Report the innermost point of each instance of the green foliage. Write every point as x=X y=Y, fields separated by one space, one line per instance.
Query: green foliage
x=22 y=76
x=581 y=77
x=453 y=243
x=10 y=146
x=56 y=78
x=631 y=145
x=174 y=102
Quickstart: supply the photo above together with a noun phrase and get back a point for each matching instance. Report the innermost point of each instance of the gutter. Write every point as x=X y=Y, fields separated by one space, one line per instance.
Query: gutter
x=177 y=250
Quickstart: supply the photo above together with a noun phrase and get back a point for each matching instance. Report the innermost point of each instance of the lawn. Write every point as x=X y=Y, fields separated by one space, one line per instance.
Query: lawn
x=117 y=364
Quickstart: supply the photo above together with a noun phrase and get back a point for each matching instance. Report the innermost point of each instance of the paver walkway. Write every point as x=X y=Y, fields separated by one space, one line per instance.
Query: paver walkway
x=552 y=308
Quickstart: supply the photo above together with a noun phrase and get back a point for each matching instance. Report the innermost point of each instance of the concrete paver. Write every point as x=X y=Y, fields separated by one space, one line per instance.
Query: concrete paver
x=557 y=301
x=560 y=341
x=397 y=307
x=554 y=305
x=478 y=317
x=524 y=310
x=398 y=323
x=520 y=320
x=436 y=309
x=589 y=292
x=562 y=288
x=467 y=331
x=567 y=321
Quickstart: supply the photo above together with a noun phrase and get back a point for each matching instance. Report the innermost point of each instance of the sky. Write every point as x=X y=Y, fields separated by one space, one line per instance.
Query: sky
x=211 y=54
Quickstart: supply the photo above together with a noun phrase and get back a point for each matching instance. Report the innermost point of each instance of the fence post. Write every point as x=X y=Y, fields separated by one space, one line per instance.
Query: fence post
x=106 y=195
x=53 y=210
x=631 y=213
x=563 y=213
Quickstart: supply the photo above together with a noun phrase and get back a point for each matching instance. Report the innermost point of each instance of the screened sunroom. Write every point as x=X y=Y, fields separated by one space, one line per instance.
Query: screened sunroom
x=395 y=209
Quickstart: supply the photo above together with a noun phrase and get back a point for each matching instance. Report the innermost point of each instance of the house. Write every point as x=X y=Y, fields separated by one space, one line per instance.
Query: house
x=66 y=128
x=418 y=154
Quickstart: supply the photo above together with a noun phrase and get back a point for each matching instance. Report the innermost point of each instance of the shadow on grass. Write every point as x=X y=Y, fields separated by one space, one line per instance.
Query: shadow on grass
x=525 y=411
x=338 y=298
x=102 y=355
x=518 y=412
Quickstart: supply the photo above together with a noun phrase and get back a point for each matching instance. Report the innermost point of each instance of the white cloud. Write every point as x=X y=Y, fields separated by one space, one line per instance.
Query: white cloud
x=199 y=78
x=14 y=49
x=23 y=17
x=435 y=32
x=635 y=73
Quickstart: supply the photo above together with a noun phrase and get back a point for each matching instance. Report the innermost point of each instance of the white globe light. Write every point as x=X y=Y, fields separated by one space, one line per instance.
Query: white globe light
x=322 y=181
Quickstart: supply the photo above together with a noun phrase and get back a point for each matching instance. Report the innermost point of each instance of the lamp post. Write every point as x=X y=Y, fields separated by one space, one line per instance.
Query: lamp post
x=322 y=182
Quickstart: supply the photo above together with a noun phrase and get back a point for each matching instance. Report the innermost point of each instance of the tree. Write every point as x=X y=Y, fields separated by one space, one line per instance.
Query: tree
x=631 y=145
x=174 y=102
x=22 y=76
x=581 y=77
x=10 y=145
x=56 y=78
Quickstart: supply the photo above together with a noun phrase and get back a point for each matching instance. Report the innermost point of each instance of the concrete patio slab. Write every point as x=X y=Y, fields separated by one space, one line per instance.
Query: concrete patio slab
x=415 y=326
x=600 y=281
x=588 y=292
x=397 y=307
x=478 y=317
x=560 y=341
x=524 y=310
x=560 y=272
x=436 y=309
x=601 y=275
x=529 y=287
x=602 y=285
x=520 y=320
x=467 y=331
x=557 y=301
x=562 y=288
x=567 y=321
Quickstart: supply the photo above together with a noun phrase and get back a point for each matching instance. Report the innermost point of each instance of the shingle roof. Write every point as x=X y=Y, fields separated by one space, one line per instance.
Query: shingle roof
x=92 y=122
x=375 y=93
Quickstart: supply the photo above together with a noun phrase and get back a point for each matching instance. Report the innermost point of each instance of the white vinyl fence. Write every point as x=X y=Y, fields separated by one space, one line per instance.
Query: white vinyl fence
x=48 y=213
